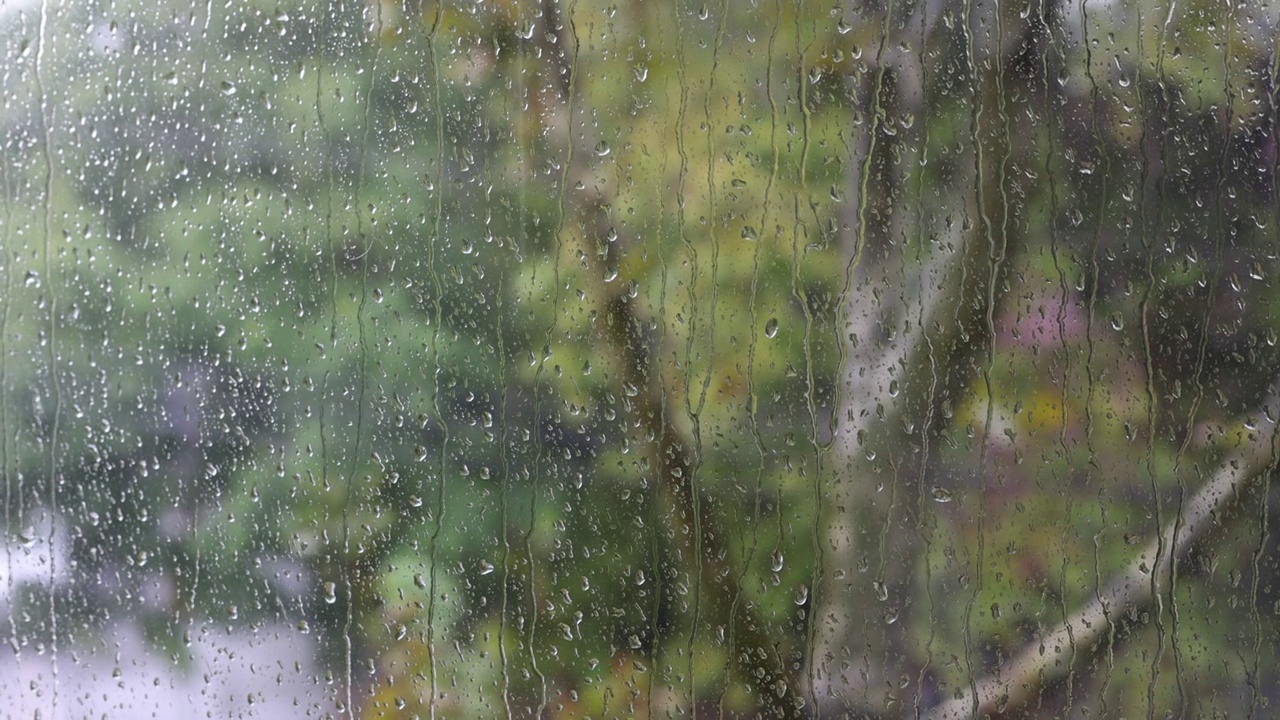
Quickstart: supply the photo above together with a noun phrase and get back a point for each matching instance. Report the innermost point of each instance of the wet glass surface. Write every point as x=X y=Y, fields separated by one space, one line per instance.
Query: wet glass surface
x=591 y=359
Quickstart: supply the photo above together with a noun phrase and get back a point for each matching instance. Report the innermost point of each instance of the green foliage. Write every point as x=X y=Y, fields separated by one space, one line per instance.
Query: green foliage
x=516 y=344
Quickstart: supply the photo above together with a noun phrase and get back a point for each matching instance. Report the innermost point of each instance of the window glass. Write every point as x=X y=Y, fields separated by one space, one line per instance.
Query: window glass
x=427 y=358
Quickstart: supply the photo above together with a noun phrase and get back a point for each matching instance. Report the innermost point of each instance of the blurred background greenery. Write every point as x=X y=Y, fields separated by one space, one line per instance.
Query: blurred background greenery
x=599 y=359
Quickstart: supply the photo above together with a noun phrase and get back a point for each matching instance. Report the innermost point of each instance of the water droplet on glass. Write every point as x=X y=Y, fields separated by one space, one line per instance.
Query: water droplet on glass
x=941 y=494
x=776 y=562
x=227 y=87
x=485 y=567
x=330 y=592
x=771 y=328
x=1117 y=321
x=641 y=72
x=602 y=148
x=802 y=595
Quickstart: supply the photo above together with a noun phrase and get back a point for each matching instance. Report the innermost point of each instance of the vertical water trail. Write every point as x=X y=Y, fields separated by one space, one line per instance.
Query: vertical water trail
x=196 y=484
x=1045 y=18
x=1145 y=303
x=1219 y=242
x=692 y=294
x=1091 y=370
x=923 y=520
x=659 y=462
x=433 y=59
x=47 y=120
x=355 y=456
x=1256 y=698
x=984 y=222
x=801 y=296
x=328 y=248
x=695 y=412
x=11 y=519
x=874 y=131
x=548 y=340
x=519 y=113
x=753 y=401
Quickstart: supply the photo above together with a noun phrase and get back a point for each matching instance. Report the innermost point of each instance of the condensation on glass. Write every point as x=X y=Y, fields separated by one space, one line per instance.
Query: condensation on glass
x=599 y=359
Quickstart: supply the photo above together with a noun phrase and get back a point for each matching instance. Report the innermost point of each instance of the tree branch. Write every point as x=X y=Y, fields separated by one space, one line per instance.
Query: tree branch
x=1050 y=657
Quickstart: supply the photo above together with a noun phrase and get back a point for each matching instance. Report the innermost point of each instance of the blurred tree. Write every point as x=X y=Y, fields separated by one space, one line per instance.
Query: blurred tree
x=552 y=359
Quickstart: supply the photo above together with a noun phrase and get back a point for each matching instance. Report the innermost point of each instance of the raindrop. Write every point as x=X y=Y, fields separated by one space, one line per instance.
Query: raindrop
x=882 y=590
x=776 y=562
x=802 y=594
x=771 y=328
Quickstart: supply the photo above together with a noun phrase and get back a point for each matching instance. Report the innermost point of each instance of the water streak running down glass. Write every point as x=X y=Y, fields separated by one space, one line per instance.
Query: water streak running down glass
x=568 y=359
